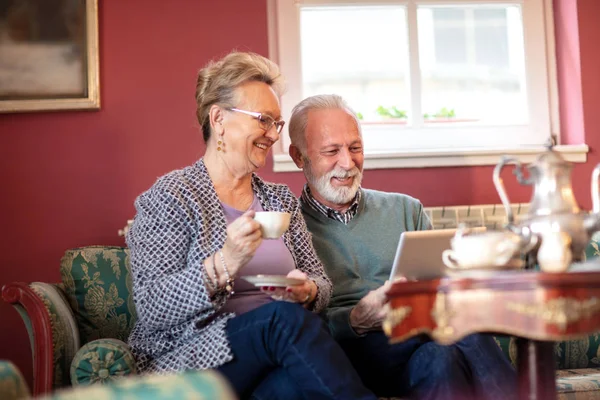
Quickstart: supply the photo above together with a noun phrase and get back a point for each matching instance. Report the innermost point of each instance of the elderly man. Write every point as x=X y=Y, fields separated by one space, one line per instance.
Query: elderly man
x=355 y=232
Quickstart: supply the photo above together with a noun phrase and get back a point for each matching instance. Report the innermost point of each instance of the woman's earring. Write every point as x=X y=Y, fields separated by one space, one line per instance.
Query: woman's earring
x=221 y=144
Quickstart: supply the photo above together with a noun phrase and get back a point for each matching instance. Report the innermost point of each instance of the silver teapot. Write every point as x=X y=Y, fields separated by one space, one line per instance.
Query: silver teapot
x=553 y=207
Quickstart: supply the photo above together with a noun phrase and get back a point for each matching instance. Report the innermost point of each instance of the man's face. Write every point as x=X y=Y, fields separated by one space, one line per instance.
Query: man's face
x=334 y=157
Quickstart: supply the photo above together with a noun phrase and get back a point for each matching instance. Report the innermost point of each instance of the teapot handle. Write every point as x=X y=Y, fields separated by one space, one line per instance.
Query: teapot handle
x=532 y=240
x=596 y=190
x=500 y=184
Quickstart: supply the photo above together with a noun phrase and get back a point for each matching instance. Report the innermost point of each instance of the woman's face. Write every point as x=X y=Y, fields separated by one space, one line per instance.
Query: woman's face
x=247 y=144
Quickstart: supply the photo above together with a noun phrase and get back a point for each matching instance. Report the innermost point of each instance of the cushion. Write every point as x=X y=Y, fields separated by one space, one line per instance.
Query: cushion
x=578 y=384
x=12 y=384
x=191 y=385
x=98 y=285
x=102 y=361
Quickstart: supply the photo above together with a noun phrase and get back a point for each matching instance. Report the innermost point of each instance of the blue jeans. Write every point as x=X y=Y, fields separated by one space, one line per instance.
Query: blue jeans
x=282 y=351
x=493 y=375
x=473 y=368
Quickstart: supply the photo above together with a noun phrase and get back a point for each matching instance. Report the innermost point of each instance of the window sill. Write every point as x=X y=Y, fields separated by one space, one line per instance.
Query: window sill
x=447 y=158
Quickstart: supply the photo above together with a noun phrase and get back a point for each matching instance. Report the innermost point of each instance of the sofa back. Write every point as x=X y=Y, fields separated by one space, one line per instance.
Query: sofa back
x=97 y=282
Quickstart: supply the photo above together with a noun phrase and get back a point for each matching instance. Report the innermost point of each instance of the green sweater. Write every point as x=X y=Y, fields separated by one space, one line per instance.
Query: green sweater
x=358 y=257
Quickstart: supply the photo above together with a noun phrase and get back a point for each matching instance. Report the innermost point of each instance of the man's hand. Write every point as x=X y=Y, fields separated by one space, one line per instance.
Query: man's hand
x=368 y=314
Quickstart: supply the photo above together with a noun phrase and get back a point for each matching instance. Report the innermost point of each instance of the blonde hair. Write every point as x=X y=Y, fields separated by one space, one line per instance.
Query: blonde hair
x=218 y=80
x=299 y=118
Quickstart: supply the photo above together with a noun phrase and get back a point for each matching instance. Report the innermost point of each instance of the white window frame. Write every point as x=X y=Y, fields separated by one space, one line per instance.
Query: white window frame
x=284 y=49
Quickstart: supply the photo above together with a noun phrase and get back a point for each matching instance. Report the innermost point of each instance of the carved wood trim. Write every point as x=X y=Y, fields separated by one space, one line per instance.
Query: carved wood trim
x=43 y=348
x=394 y=318
x=560 y=311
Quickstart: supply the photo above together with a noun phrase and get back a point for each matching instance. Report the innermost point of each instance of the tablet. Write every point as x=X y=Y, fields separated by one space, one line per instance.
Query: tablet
x=419 y=253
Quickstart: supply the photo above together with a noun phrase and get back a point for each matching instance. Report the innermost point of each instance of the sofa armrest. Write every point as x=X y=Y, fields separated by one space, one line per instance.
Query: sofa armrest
x=52 y=331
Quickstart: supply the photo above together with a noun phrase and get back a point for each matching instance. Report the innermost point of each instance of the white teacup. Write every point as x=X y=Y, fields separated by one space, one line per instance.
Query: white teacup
x=490 y=249
x=273 y=223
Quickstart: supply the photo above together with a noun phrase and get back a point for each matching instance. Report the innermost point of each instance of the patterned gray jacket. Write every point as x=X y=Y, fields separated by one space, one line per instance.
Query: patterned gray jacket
x=180 y=222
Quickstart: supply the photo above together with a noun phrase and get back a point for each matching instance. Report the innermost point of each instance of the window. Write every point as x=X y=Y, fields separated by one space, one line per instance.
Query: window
x=427 y=77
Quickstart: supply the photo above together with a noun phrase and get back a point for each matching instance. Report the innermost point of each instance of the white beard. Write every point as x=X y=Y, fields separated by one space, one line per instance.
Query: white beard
x=336 y=195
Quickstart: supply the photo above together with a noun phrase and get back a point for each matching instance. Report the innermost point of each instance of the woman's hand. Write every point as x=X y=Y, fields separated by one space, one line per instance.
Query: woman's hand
x=304 y=293
x=243 y=238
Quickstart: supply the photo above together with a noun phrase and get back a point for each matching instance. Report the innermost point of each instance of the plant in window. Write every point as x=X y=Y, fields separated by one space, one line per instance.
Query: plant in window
x=392 y=112
x=445 y=113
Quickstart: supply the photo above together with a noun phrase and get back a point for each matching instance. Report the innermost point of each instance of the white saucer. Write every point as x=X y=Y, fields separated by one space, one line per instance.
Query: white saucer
x=486 y=271
x=592 y=265
x=272 y=280
x=479 y=273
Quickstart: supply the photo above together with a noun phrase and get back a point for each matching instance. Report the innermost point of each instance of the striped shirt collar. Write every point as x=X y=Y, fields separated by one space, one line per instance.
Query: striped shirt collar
x=344 y=217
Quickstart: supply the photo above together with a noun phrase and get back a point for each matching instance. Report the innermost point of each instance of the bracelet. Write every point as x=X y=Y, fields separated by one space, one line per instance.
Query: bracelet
x=214 y=263
x=229 y=284
x=213 y=282
x=308 y=296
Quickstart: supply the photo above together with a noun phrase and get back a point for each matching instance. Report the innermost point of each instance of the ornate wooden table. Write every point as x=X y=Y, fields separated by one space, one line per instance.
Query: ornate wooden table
x=537 y=308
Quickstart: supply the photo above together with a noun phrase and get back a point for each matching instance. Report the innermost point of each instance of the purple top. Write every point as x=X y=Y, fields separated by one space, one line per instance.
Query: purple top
x=271 y=258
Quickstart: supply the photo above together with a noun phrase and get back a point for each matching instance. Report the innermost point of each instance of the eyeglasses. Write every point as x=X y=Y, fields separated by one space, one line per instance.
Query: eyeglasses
x=265 y=121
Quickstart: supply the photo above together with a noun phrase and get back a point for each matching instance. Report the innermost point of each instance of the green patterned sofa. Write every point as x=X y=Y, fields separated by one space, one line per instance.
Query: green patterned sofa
x=78 y=328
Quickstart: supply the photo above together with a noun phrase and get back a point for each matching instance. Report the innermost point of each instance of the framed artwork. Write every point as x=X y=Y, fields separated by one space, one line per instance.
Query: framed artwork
x=48 y=55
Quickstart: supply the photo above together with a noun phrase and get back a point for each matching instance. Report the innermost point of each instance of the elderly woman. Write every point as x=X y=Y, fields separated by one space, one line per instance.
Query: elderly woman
x=194 y=236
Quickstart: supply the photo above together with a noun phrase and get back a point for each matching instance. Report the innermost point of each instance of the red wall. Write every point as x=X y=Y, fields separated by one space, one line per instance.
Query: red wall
x=70 y=178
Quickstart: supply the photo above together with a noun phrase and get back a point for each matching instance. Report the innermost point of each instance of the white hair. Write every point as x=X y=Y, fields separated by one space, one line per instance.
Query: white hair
x=299 y=119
